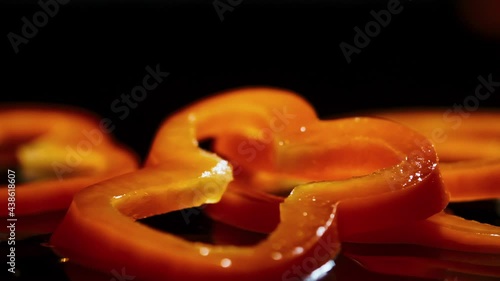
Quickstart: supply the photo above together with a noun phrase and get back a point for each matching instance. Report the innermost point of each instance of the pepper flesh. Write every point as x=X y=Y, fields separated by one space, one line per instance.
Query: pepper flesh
x=60 y=150
x=181 y=175
x=469 y=173
x=443 y=231
x=469 y=152
x=100 y=231
x=330 y=162
x=468 y=148
x=424 y=262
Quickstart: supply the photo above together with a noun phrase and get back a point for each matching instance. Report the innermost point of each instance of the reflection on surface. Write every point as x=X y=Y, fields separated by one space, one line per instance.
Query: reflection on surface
x=357 y=262
x=418 y=261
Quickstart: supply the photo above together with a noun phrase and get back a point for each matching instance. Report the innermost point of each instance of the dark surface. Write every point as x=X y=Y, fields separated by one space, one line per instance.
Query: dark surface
x=36 y=260
x=91 y=52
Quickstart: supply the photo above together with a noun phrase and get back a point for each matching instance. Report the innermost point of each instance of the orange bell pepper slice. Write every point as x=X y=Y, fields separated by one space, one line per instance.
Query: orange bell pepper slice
x=100 y=231
x=469 y=153
x=468 y=173
x=59 y=151
x=310 y=155
x=424 y=262
x=441 y=231
x=244 y=206
x=468 y=147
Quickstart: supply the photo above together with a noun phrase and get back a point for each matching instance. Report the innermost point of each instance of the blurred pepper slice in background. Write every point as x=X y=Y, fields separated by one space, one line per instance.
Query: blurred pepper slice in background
x=55 y=151
x=481 y=17
x=468 y=147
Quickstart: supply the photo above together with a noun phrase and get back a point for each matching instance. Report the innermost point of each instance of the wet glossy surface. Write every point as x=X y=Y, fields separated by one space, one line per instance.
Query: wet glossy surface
x=36 y=260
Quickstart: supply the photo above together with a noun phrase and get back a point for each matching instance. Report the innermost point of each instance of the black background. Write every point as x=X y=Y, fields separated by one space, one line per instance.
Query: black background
x=91 y=52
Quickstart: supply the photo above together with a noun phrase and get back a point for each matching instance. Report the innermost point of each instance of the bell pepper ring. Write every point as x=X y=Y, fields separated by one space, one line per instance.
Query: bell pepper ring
x=443 y=231
x=469 y=153
x=59 y=151
x=468 y=148
x=100 y=231
x=251 y=209
x=424 y=262
x=469 y=174
x=340 y=158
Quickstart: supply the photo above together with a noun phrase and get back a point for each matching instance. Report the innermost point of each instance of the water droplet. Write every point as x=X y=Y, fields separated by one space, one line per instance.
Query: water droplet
x=225 y=263
x=303 y=129
x=304 y=214
x=298 y=250
x=276 y=256
x=204 y=251
x=320 y=230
